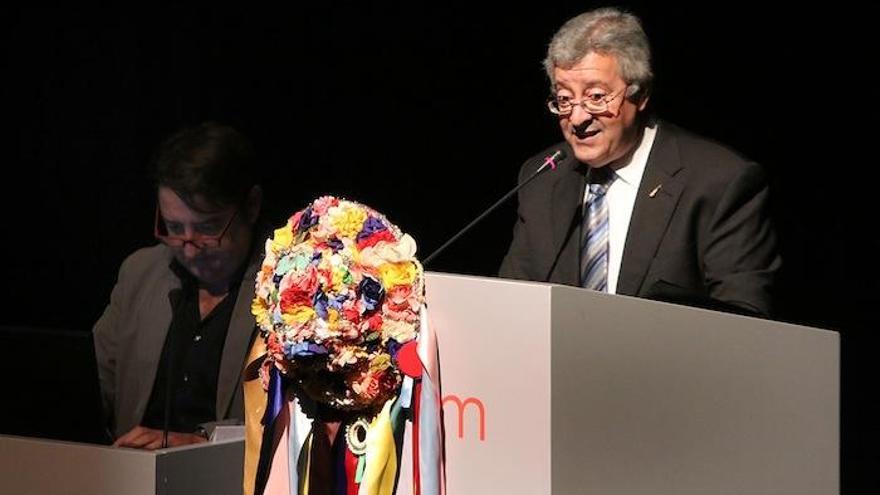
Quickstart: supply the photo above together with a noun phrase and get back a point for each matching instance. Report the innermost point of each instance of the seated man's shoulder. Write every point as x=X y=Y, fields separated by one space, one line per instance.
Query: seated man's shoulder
x=146 y=259
x=144 y=270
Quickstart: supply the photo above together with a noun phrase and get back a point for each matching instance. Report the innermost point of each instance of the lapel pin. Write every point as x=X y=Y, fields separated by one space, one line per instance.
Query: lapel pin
x=655 y=191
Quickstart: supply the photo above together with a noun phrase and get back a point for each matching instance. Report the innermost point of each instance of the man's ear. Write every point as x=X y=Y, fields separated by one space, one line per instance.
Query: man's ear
x=253 y=204
x=641 y=97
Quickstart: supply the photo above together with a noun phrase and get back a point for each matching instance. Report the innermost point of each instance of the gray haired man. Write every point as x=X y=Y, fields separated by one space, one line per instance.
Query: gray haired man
x=640 y=206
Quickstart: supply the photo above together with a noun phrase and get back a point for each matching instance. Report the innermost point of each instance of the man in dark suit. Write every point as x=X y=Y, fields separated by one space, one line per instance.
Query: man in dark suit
x=172 y=343
x=639 y=206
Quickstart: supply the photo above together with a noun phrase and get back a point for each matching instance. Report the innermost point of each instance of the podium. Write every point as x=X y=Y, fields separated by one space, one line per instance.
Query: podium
x=559 y=390
x=30 y=466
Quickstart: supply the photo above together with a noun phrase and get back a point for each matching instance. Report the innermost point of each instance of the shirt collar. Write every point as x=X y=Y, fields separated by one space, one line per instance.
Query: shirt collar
x=631 y=168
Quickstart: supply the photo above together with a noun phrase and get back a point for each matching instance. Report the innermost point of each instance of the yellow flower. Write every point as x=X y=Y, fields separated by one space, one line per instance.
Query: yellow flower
x=354 y=253
x=332 y=317
x=298 y=314
x=283 y=238
x=261 y=313
x=348 y=220
x=380 y=363
x=403 y=273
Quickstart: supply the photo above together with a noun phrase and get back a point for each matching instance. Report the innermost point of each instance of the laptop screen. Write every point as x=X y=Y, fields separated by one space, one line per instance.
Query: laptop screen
x=49 y=383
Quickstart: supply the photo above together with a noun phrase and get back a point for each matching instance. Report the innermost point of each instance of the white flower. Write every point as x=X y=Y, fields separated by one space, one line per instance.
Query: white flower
x=384 y=252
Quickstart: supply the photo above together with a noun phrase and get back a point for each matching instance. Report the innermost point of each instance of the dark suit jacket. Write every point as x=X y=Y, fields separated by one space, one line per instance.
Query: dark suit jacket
x=705 y=237
x=130 y=334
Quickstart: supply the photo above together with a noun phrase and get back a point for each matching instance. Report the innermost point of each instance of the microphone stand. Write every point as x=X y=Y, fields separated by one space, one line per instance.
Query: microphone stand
x=169 y=369
x=549 y=162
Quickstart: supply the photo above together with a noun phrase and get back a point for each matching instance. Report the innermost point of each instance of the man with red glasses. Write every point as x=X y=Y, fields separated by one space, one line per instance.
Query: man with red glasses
x=639 y=206
x=171 y=344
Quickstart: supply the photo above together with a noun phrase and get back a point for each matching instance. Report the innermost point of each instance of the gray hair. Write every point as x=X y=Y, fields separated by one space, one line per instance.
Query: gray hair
x=606 y=31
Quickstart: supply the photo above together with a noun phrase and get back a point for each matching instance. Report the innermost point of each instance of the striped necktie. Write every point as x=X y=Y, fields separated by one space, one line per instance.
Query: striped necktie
x=594 y=248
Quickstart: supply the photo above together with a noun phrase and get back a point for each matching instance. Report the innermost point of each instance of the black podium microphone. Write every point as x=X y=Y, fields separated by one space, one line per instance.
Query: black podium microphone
x=550 y=162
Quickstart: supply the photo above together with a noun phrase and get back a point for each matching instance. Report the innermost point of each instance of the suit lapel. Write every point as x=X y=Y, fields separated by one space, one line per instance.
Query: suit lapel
x=656 y=200
x=238 y=339
x=567 y=201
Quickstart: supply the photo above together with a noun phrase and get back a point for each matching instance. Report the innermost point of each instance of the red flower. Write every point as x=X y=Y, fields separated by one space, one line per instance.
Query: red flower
x=370 y=385
x=274 y=347
x=351 y=314
x=294 y=220
x=326 y=278
x=375 y=321
x=382 y=235
x=373 y=387
x=294 y=296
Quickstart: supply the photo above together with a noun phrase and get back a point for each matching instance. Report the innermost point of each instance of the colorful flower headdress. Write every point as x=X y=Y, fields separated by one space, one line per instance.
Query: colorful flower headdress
x=339 y=294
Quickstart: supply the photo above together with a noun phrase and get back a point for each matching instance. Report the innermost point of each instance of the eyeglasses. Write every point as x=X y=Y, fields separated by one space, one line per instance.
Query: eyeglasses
x=595 y=102
x=202 y=236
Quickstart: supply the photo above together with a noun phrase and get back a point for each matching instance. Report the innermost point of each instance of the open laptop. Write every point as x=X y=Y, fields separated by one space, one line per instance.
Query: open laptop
x=49 y=385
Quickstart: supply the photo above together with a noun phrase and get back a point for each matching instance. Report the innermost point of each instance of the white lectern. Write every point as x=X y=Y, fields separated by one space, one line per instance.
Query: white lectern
x=31 y=466
x=551 y=389
x=559 y=390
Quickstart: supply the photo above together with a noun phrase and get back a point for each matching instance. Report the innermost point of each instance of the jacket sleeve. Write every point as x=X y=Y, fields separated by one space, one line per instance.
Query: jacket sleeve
x=106 y=337
x=741 y=258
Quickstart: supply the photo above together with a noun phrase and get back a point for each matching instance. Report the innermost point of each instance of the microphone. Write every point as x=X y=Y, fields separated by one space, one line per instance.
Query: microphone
x=549 y=163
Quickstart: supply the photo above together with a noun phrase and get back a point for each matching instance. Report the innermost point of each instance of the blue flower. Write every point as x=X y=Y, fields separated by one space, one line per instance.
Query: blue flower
x=335 y=244
x=393 y=347
x=301 y=349
x=307 y=220
x=319 y=301
x=372 y=293
x=337 y=302
x=371 y=226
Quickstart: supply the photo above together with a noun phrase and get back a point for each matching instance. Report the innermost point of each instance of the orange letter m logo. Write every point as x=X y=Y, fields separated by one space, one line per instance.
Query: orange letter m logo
x=461 y=407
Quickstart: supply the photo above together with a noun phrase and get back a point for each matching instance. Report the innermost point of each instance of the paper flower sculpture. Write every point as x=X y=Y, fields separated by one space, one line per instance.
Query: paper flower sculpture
x=338 y=295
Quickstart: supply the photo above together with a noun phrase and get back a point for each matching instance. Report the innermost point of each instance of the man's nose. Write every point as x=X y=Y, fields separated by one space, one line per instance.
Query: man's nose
x=579 y=116
x=190 y=250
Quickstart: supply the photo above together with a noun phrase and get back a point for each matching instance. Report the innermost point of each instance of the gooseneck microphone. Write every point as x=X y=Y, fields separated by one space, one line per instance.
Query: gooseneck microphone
x=550 y=162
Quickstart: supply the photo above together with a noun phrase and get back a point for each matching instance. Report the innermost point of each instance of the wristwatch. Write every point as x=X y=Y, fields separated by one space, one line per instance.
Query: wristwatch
x=202 y=431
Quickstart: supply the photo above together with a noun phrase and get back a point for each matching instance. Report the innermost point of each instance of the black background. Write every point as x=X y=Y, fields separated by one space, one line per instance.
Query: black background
x=425 y=112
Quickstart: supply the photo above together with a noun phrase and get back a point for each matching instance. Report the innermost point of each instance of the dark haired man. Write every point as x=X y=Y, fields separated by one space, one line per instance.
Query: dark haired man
x=171 y=344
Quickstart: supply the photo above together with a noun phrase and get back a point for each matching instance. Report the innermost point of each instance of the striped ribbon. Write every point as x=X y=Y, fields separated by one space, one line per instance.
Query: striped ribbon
x=289 y=450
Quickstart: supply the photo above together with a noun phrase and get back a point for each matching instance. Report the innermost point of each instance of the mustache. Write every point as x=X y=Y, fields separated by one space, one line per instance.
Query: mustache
x=581 y=130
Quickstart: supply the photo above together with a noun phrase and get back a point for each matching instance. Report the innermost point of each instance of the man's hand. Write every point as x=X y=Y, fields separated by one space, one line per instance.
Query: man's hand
x=141 y=437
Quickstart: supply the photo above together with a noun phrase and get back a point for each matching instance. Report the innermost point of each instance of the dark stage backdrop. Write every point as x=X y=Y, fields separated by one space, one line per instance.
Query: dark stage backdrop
x=424 y=112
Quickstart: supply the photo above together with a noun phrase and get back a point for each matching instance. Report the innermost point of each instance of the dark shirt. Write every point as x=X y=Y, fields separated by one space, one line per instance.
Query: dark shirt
x=196 y=346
